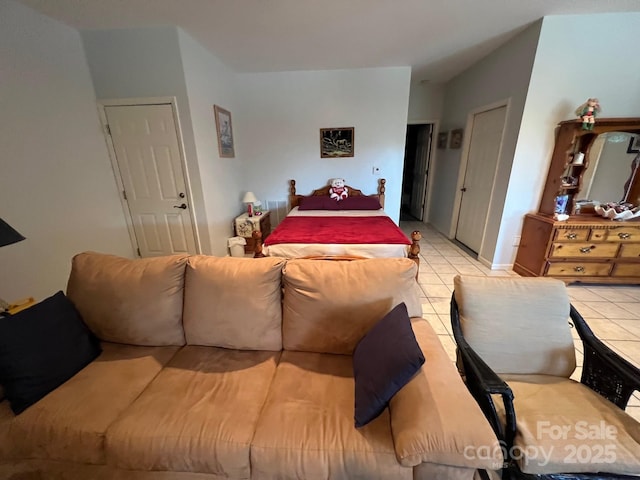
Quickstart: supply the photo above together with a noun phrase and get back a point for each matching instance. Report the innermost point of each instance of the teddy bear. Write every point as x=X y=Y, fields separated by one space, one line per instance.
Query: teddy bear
x=338 y=191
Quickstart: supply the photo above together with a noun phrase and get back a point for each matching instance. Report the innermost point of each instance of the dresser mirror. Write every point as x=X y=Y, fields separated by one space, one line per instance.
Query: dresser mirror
x=611 y=168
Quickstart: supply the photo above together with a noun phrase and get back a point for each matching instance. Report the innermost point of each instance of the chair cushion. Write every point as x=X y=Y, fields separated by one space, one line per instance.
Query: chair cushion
x=328 y=305
x=70 y=423
x=384 y=361
x=41 y=348
x=517 y=325
x=198 y=415
x=306 y=427
x=571 y=428
x=435 y=419
x=137 y=302
x=234 y=302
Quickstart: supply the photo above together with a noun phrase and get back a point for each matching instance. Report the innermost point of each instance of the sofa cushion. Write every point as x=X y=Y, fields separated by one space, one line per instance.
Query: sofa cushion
x=306 y=426
x=384 y=360
x=198 y=415
x=435 y=419
x=571 y=428
x=138 y=302
x=328 y=306
x=511 y=329
x=234 y=302
x=41 y=348
x=70 y=423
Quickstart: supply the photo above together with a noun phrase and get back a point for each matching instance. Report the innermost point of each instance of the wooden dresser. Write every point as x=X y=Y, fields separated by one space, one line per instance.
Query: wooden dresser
x=598 y=164
x=586 y=249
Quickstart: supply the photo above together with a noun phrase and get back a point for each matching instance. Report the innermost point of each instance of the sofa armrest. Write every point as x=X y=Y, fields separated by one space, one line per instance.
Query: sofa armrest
x=435 y=419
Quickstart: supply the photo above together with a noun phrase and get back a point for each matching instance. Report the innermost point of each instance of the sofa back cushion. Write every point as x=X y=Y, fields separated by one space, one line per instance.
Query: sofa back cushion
x=234 y=302
x=329 y=306
x=136 y=302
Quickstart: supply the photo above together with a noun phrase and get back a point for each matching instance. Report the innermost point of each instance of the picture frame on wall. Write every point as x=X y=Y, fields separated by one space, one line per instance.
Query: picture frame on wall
x=336 y=142
x=456 y=138
x=224 y=130
x=442 y=139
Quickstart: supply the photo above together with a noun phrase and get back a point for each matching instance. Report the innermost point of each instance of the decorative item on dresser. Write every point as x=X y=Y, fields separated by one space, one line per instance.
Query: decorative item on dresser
x=250 y=199
x=586 y=247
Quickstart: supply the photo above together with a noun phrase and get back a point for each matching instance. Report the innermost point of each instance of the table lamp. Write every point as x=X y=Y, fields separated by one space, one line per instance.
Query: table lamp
x=249 y=199
x=7 y=236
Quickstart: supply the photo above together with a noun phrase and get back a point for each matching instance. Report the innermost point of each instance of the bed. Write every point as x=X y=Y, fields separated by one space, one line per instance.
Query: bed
x=320 y=227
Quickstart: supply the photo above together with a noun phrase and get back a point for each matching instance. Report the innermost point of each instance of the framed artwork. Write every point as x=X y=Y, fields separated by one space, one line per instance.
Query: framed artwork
x=456 y=138
x=336 y=142
x=225 y=132
x=442 y=139
x=634 y=144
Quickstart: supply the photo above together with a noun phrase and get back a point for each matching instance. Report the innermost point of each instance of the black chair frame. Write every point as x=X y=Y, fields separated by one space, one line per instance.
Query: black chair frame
x=604 y=371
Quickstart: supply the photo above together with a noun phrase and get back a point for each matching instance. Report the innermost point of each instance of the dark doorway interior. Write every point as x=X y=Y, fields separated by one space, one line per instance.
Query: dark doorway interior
x=416 y=170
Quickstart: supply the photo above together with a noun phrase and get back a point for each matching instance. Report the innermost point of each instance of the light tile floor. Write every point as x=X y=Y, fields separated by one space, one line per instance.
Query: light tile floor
x=612 y=312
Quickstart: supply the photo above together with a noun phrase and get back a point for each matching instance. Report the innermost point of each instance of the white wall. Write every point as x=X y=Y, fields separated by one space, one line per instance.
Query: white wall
x=58 y=188
x=279 y=120
x=570 y=66
x=143 y=63
x=425 y=102
x=502 y=75
x=210 y=82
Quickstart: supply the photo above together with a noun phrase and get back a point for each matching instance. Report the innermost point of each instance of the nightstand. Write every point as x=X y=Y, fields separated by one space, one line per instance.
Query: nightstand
x=246 y=225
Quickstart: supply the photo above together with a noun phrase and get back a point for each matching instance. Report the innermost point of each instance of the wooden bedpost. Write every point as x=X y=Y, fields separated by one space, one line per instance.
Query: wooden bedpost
x=292 y=187
x=257 y=236
x=414 y=250
x=381 y=189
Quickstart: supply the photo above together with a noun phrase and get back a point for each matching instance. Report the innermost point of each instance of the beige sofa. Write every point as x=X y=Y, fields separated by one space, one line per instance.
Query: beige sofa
x=241 y=368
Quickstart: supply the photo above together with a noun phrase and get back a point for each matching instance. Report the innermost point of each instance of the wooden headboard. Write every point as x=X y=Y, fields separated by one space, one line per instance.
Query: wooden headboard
x=294 y=198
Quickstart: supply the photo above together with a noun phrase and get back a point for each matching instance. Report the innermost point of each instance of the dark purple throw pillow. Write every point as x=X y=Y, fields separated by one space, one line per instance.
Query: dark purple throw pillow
x=317 y=202
x=359 y=203
x=41 y=348
x=384 y=361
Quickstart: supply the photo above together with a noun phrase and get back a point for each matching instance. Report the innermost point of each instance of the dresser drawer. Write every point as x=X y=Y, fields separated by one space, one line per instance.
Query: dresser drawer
x=626 y=270
x=572 y=235
x=621 y=234
x=629 y=250
x=568 y=269
x=584 y=250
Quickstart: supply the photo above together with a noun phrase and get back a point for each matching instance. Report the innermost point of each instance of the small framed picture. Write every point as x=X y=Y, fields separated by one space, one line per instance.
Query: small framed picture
x=456 y=138
x=336 y=142
x=225 y=132
x=562 y=201
x=634 y=144
x=442 y=139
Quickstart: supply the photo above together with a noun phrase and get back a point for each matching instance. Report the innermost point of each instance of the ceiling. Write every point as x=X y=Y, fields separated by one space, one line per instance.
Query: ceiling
x=438 y=38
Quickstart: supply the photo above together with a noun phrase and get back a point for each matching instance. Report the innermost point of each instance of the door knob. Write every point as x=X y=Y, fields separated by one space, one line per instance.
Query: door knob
x=183 y=206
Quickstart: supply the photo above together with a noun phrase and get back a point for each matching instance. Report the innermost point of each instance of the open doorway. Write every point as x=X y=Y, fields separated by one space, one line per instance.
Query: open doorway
x=417 y=159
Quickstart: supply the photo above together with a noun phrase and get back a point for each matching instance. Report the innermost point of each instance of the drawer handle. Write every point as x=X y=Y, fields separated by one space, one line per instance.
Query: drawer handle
x=578 y=269
x=624 y=236
x=585 y=249
x=571 y=236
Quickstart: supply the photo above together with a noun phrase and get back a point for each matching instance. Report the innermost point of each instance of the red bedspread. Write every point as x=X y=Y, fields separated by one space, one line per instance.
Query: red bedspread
x=376 y=229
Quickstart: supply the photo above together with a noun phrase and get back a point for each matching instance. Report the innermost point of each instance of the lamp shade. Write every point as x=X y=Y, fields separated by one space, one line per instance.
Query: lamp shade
x=8 y=235
x=249 y=197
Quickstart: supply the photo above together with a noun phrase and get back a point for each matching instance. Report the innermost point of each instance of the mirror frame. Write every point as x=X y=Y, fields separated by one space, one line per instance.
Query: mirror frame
x=571 y=139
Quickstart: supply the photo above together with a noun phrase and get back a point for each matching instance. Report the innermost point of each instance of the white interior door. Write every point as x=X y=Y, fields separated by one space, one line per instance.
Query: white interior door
x=484 y=148
x=420 y=172
x=146 y=145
